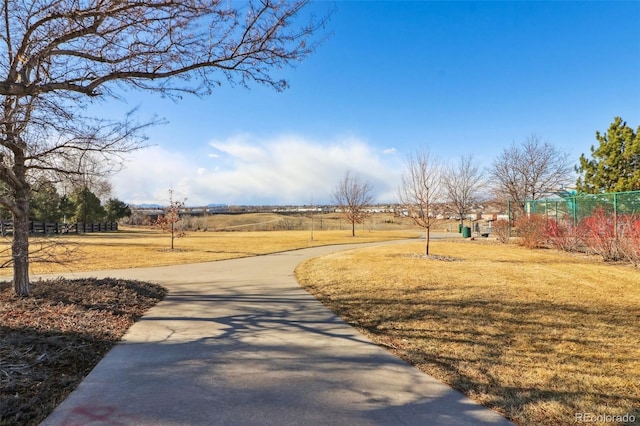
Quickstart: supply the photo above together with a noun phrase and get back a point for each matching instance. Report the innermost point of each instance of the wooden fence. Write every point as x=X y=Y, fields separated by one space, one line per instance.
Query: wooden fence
x=52 y=228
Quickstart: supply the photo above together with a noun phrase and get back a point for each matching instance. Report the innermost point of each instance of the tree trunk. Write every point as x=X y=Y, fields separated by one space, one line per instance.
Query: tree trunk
x=426 y=240
x=353 y=228
x=172 y=235
x=20 y=244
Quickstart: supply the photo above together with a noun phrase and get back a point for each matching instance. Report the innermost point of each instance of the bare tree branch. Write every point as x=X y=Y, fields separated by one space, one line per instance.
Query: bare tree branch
x=529 y=171
x=462 y=182
x=57 y=56
x=80 y=50
x=421 y=188
x=352 y=195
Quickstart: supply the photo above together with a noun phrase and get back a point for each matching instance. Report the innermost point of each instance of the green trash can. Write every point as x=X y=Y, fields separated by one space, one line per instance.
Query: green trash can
x=466 y=232
x=459 y=228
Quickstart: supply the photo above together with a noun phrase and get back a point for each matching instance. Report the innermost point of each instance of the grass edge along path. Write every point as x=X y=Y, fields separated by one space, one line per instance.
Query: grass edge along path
x=143 y=247
x=542 y=337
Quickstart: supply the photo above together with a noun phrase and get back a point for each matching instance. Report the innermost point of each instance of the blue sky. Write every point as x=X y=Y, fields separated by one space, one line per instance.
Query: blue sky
x=456 y=77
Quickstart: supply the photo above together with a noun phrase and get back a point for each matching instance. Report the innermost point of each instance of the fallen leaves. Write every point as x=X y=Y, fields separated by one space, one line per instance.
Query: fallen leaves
x=50 y=340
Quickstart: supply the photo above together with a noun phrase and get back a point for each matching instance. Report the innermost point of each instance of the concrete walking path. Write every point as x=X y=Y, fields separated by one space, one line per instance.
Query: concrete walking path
x=239 y=342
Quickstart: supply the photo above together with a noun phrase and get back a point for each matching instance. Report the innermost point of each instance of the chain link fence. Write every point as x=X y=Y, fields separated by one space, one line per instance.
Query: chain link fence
x=575 y=208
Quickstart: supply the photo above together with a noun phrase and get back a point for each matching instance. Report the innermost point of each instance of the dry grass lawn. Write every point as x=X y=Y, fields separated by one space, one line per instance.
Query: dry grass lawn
x=50 y=340
x=539 y=336
x=141 y=247
x=304 y=221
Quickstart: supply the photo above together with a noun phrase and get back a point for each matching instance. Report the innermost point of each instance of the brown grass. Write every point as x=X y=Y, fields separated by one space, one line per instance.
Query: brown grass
x=50 y=340
x=142 y=247
x=536 y=335
x=301 y=221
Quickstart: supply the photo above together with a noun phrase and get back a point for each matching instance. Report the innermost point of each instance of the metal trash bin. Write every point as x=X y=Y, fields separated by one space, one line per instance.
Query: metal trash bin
x=466 y=232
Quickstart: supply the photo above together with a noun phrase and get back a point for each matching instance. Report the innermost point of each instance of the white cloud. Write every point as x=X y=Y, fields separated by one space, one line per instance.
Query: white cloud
x=240 y=148
x=288 y=169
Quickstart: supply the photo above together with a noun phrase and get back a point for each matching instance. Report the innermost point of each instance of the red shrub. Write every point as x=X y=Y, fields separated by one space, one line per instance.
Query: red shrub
x=532 y=230
x=614 y=238
x=601 y=234
x=629 y=238
x=564 y=235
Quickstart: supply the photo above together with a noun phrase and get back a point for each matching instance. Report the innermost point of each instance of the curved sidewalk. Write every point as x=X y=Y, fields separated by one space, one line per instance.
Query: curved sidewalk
x=239 y=342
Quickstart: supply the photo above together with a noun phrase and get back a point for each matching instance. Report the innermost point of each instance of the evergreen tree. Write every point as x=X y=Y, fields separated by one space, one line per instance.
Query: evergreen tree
x=45 y=202
x=116 y=209
x=67 y=208
x=615 y=164
x=5 y=213
x=88 y=207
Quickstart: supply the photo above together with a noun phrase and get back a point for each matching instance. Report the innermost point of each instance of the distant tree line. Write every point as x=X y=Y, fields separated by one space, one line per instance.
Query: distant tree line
x=80 y=205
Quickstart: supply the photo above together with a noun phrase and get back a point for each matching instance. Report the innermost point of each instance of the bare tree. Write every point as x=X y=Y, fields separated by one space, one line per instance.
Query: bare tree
x=529 y=171
x=352 y=196
x=421 y=188
x=462 y=182
x=89 y=171
x=56 y=57
x=169 y=221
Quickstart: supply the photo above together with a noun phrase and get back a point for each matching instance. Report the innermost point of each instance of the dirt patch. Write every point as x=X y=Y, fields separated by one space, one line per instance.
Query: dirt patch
x=430 y=257
x=50 y=340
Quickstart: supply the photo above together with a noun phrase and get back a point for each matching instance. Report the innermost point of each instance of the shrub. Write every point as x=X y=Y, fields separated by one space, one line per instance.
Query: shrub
x=629 y=238
x=601 y=235
x=502 y=230
x=564 y=235
x=532 y=230
x=193 y=223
